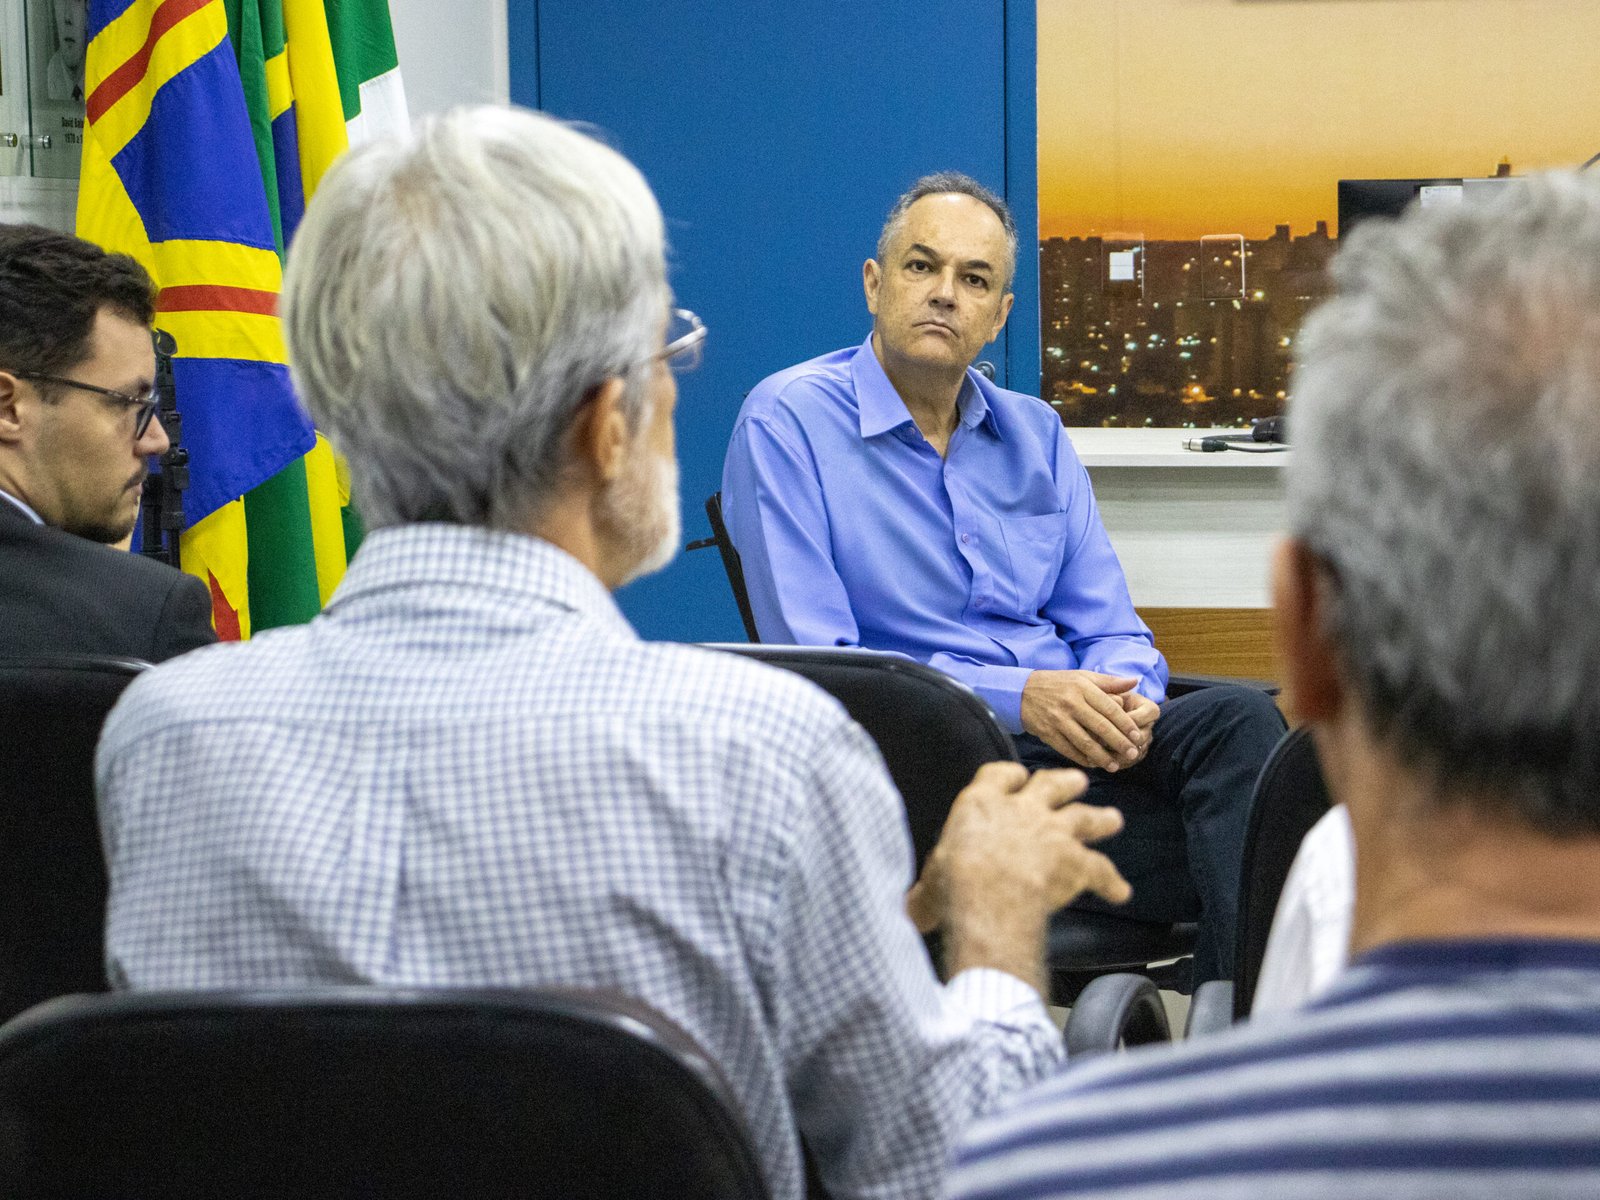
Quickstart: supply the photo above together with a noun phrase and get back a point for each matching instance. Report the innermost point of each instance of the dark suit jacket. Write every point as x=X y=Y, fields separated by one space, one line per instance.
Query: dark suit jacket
x=62 y=594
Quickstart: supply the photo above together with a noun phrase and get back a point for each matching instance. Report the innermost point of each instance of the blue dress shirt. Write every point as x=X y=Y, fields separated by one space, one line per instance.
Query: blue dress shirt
x=989 y=563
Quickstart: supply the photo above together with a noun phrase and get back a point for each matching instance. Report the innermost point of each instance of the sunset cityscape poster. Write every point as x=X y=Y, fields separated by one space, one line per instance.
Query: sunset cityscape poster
x=1189 y=157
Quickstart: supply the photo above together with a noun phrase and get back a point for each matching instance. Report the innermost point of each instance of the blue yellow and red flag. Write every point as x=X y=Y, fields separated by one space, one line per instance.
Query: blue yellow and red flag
x=209 y=124
x=170 y=176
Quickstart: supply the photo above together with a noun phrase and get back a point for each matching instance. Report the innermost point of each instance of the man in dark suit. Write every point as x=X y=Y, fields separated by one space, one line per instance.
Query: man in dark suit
x=77 y=402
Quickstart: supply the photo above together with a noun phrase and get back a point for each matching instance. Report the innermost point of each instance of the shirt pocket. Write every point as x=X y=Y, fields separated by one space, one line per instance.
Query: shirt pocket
x=1034 y=546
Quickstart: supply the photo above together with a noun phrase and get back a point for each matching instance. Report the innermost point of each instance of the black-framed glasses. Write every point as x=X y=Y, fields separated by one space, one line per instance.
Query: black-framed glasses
x=144 y=405
x=686 y=334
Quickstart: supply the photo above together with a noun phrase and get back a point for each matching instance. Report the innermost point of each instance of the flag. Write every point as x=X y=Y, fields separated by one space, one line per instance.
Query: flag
x=308 y=80
x=296 y=75
x=344 y=77
x=370 y=92
x=170 y=176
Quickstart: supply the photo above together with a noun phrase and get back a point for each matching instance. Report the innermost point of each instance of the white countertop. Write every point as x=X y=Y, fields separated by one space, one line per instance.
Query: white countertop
x=1160 y=448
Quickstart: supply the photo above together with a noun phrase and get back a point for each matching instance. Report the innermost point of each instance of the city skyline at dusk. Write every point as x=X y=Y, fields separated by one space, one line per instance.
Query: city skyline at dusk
x=1178 y=118
x=1189 y=157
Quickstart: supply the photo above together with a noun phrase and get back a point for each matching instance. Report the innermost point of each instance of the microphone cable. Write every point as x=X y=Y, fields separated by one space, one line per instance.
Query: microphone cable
x=1245 y=443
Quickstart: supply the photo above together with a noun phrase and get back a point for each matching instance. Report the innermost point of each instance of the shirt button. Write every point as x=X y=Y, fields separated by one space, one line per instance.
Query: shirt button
x=965 y=538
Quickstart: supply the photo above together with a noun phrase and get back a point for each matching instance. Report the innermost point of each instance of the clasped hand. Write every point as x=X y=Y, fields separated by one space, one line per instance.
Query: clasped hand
x=1091 y=719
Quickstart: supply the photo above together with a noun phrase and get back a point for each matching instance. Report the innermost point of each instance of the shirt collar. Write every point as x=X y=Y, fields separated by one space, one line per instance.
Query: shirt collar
x=509 y=570
x=23 y=508
x=881 y=409
x=1398 y=965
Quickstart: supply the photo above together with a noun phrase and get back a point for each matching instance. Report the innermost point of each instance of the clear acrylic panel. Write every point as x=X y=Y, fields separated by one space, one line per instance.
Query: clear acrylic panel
x=56 y=40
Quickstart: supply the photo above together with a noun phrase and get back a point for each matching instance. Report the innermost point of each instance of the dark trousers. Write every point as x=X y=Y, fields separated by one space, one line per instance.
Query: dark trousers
x=1185 y=807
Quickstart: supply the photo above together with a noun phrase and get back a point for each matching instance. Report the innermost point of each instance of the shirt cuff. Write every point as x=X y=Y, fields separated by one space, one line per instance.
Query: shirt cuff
x=999 y=998
x=1001 y=689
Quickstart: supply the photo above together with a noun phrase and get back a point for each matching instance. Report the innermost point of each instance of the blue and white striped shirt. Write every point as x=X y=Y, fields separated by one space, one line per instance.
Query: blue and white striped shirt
x=470 y=771
x=1465 y=1070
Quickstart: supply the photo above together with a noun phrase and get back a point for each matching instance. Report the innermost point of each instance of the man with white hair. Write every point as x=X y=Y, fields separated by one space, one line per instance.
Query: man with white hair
x=1437 y=601
x=470 y=771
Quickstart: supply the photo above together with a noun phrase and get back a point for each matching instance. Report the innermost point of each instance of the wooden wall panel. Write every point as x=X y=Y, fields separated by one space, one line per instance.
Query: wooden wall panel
x=1215 y=641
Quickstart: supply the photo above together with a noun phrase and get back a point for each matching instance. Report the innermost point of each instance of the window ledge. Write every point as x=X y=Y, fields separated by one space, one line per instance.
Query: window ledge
x=1161 y=448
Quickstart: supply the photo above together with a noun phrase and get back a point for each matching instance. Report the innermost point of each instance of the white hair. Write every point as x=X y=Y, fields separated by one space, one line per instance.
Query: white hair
x=1446 y=422
x=453 y=297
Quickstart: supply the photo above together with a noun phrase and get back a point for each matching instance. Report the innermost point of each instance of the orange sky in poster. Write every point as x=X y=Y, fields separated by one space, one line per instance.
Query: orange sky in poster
x=1178 y=118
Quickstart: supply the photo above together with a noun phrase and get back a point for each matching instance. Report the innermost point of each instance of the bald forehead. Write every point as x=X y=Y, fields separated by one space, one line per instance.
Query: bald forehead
x=957 y=225
x=956 y=212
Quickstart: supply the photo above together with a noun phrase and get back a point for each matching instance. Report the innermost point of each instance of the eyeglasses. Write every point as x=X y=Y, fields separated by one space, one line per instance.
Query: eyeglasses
x=145 y=404
x=686 y=334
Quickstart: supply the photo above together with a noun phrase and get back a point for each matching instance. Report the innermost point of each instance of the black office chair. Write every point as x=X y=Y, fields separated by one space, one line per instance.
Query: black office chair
x=364 y=1092
x=52 y=870
x=934 y=734
x=1290 y=797
x=731 y=566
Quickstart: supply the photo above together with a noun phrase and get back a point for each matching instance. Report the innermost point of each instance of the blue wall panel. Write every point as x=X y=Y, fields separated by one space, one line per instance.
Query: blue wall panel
x=775 y=136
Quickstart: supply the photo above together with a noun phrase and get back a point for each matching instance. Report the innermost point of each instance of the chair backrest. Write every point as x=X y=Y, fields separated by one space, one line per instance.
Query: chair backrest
x=363 y=1091
x=52 y=870
x=731 y=565
x=1290 y=798
x=933 y=733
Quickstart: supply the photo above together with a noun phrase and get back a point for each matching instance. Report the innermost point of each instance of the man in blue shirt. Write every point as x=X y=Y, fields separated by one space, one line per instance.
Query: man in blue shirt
x=889 y=496
x=1436 y=620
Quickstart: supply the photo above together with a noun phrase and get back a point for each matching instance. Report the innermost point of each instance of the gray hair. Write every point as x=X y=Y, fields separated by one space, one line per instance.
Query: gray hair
x=945 y=183
x=1446 y=422
x=453 y=297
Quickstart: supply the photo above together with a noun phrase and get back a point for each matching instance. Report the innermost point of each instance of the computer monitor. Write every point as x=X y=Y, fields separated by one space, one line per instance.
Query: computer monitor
x=1360 y=199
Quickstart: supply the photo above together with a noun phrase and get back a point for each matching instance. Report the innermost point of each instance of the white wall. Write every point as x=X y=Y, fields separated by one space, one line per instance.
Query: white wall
x=452 y=52
x=1192 y=530
x=1192 y=538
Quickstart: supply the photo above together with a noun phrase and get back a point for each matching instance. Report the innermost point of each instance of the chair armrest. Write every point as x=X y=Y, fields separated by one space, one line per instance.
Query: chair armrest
x=1181 y=685
x=1210 y=1009
x=1116 y=1010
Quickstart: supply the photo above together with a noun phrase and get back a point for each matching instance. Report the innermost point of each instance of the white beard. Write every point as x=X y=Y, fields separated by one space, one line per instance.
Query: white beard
x=641 y=510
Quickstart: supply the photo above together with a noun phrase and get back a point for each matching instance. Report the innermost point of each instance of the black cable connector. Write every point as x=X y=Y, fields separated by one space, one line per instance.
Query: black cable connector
x=1246 y=445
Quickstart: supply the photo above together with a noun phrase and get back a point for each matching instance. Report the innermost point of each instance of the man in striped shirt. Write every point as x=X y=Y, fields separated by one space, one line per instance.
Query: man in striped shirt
x=1439 y=616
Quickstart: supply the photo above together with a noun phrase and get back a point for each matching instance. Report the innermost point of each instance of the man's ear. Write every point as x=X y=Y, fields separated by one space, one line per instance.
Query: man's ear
x=1306 y=654
x=11 y=420
x=1006 y=302
x=871 y=279
x=600 y=435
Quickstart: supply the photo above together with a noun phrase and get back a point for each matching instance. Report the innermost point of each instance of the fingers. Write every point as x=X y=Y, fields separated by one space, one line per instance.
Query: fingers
x=1113 y=684
x=1110 y=708
x=1001 y=776
x=1059 y=787
x=1100 y=876
x=924 y=907
x=1076 y=744
x=1090 y=822
x=1142 y=709
x=1119 y=738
